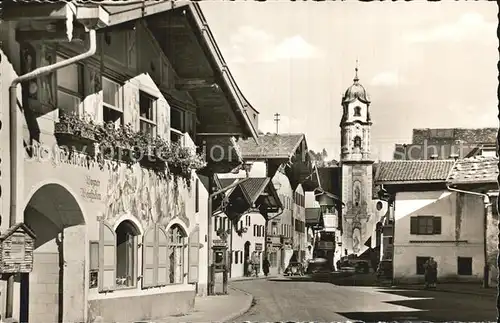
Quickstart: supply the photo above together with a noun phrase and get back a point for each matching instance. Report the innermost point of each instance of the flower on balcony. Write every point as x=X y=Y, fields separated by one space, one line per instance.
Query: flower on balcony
x=130 y=146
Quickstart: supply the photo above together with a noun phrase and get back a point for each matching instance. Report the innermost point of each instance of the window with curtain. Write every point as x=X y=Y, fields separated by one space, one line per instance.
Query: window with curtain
x=177 y=238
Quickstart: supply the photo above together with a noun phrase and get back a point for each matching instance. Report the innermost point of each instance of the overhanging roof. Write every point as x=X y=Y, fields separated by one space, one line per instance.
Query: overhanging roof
x=116 y=13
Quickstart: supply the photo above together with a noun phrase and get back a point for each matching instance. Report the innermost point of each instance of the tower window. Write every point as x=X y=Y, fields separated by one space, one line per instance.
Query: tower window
x=357 y=111
x=357 y=142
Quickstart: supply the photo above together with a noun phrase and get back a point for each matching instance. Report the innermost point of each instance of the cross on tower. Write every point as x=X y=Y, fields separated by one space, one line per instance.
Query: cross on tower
x=277 y=120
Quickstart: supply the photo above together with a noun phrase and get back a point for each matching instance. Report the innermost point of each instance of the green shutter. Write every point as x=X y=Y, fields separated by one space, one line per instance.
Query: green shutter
x=162 y=256
x=107 y=258
x=194 y=255
x=149 y=258
x=413 y=225
x=437 y=224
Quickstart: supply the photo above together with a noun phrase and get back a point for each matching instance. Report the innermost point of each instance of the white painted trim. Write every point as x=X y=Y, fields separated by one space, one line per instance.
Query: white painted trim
x=180 y=223
x=131 y=218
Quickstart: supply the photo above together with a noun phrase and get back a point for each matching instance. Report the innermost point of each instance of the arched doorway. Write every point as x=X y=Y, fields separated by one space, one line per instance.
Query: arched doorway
x=246 y=256
x=56 y=287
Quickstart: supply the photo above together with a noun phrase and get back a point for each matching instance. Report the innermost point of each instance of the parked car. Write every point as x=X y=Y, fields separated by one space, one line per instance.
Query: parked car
x=294 y=268
x=354 y=264
x=318 y=265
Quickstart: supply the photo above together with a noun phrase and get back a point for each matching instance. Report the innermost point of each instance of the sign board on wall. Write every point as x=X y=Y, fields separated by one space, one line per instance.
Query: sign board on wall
x=16 y=250
x=258 y=247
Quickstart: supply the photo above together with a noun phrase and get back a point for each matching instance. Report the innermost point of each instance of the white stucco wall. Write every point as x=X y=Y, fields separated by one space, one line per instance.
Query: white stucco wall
x=461 y=233
x=238 y=242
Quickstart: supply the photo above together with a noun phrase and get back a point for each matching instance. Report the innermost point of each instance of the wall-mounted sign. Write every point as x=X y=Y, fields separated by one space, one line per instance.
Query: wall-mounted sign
x=258 y=247
x=219 y=243
x=16 y=250
x=90 y=190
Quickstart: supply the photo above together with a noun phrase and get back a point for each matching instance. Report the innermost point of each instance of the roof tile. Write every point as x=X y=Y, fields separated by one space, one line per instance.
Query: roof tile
x=479 y=169
x=414 y=171
x=271 y=146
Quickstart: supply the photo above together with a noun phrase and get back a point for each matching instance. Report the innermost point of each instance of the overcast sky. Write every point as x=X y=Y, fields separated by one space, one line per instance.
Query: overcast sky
x=423 y=64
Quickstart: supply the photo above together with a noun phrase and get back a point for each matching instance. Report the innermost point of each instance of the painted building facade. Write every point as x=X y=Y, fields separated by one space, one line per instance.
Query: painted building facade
x=115 y=241
x=356 y=178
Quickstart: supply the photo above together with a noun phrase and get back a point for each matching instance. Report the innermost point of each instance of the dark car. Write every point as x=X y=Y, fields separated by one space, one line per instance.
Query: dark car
x=318 y=265
x=294 y=268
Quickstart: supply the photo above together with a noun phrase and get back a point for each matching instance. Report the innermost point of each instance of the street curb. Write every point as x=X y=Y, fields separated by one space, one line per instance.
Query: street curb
x=231 y=317
x=242 y=279
x=442 y=290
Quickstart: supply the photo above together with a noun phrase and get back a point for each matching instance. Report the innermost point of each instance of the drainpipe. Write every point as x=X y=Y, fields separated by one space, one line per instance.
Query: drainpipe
x=13 y=126
x=209 y=226
x=485 y=226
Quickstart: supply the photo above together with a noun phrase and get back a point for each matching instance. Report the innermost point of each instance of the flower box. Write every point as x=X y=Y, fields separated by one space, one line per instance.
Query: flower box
x=82 y=140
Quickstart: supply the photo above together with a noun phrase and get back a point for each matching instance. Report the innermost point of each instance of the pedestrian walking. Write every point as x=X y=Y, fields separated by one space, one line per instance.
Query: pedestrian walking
x=265 y=266
x=430 y=275
x=249 y=267
x=256 y=263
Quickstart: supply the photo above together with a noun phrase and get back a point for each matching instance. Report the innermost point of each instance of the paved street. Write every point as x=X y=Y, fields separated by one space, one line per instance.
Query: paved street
x=303 y=300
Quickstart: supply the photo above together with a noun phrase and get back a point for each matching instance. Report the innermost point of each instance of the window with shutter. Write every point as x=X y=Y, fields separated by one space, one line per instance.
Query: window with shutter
x=149 y=258
x=107 y=258
x=437 y=225
x=216 y=223
x=194 y=255
x=162 y=265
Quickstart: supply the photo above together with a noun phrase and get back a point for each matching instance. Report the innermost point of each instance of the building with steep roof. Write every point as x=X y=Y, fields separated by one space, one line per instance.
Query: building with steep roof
x=438 y=209
x=131 y=236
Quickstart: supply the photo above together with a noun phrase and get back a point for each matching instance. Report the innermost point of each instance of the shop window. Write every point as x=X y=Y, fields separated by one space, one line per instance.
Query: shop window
x=112 y=103
x=273 y=259
x=177 y=238
x=126 y=254
x=357 y=111
x=147 y=111
x=420 y=265
x=69 y=87
x=464 y=266
x=94 y=264
x=425 y=225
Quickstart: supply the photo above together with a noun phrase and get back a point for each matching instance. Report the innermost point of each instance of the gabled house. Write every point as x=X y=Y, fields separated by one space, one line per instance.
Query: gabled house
x=134 y=228
x=285 y=159
x=246 y=214
x=431 y=216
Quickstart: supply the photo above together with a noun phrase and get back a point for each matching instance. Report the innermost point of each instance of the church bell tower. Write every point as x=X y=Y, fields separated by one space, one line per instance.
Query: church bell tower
x=356 y=165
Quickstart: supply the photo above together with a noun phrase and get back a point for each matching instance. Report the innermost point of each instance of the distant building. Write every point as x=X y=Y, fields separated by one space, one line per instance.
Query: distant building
x=448 y=143
x=436 y=210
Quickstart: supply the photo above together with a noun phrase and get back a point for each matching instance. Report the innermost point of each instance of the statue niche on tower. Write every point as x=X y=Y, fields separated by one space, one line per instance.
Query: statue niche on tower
x=356 y=193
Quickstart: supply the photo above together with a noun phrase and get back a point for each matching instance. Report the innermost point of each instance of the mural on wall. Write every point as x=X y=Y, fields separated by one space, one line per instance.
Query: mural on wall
x=357 y=192
x=144 y=194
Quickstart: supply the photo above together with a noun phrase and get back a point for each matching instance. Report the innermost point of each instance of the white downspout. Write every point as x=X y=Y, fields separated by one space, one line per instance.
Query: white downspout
x=13 y=145
x=486 y=200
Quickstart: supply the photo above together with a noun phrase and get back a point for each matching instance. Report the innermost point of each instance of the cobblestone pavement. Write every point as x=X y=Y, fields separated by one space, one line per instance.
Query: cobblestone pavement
x=282 y=299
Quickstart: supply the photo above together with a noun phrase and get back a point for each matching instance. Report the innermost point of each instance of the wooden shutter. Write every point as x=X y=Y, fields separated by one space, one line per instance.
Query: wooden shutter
x=107 y=258
x=197 y=196
x=413 y=225
x=131 y=105
x=437 y=224
x=163 y=118
x=162 y=257
x=194 y=255
x=148 y=258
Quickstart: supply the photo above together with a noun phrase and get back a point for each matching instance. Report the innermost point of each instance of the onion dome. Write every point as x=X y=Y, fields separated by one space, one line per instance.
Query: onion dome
x=355 y=91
